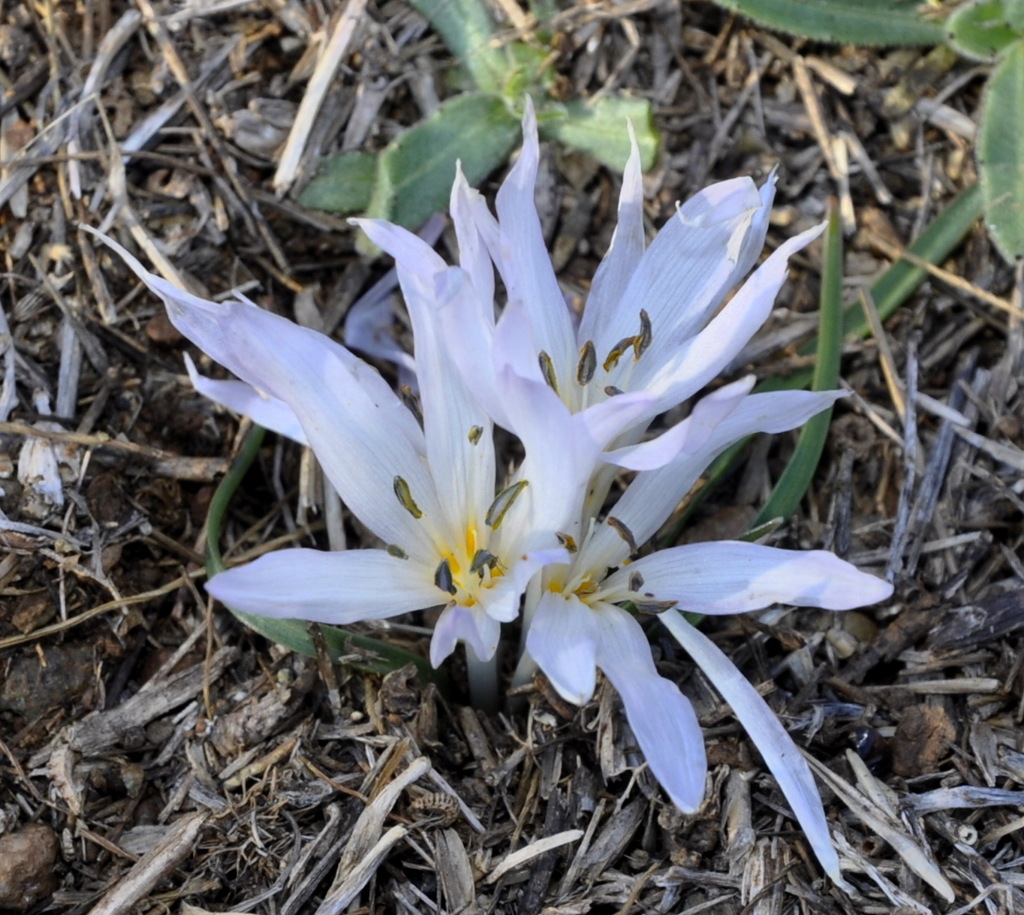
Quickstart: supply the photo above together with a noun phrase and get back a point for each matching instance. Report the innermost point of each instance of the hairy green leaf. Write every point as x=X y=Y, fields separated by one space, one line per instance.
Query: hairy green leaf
x=344 y=184
x=1001 y=154
x=416 y=171
x=980 y=30
x=600 y=128
x=466 y=28
x=870 y=22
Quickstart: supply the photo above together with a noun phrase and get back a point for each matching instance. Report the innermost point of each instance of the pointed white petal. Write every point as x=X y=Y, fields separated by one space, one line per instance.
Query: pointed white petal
x=477 y=233
x=464 y=624
x=696 y=362
x=523 y=258
x=327 y=587
x=780 y=754
x=501 y=601
x=735 y=577
x=688 y=436
x=627 y=248
x=696 y=258
x=653 y=496
x=661 y=717
x=563 y=639
x=265 y=411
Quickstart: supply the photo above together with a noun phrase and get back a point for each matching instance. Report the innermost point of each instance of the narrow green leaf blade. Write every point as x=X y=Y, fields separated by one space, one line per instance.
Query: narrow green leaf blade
x=600 y=129
x=466 y=28
x=1001 y=154
x=795 y=479
x=344 y=184
x=979 y=29
x=415 y=173
x=870 y=22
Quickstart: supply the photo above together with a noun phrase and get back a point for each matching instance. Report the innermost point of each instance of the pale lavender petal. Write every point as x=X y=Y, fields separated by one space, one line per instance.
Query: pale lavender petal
x=652 y=496
x=327 y=587
x=736 y=577
x=624 y=254
x=780 y=754
x=687 y=436
x=661 y=717
x=501 y=601
x=464 y=624
x=477 y=233
x=242 y=398
x=563 y=639
x=693 y=364
x=698 y=255
x=523 y=257
x=369 y=328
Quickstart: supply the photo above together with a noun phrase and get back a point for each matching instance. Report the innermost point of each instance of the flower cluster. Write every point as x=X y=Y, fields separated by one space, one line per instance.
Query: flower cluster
x=545 y=541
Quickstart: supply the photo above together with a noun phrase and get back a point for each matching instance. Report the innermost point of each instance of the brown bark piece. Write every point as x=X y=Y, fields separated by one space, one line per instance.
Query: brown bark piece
x=26 y=867
x=921 y=740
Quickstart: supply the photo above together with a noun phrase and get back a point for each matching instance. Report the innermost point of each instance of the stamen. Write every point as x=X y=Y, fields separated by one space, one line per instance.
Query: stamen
x=587 y=365
x=654 y=606
x=394 y=550
x=624 y=532
x=482 y=558
x=409 y=398
x=612 y=391
x=636 y=581
x=615 y=353
x=502 y=503
x=643 y=339
x=443 y=577
x=405 y=498
x=547 y=368
x=474 y=434
x=566 y=541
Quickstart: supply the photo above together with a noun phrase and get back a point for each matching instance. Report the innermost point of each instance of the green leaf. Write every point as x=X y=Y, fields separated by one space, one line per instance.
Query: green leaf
x=416 y=171
x=344 y=184
x=1001 y=154
x=600 y=128
x=795 y=479
x=466 y=28
x=870 y=22
x=980 y=29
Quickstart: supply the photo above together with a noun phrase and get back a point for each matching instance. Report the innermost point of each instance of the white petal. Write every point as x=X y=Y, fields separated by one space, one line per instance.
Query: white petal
x=464 y=624
x=780 y=754
x=735 y=577
x=369 y=328
x=624 y=254
x=265 y=411
x=699 y=254
x=327 y=587
x=652 y=496
x=477 y=233
x=563 y=639
x=523 y=258
x=695 y=363
x=688 y=436
x=501 y=601
x=661 y=717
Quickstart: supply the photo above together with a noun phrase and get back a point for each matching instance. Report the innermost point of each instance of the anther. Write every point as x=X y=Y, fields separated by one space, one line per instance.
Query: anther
x=405 y=498
x=474 y=434
x=443 y=577
x=624 y=532
x=612 y=391
x=615 y=353
x=643 y=339
x=481 y=559
x=587 y=365
x=547 y=368
x=566 y=541
x=393 y=549
x=502 y=503
x=636 y=581
x=654 y=606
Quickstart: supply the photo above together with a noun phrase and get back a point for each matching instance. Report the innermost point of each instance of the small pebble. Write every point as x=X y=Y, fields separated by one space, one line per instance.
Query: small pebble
x=27 y=859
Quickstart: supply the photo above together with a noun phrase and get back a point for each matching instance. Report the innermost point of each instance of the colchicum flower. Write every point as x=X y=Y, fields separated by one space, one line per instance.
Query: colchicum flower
x=427 y=492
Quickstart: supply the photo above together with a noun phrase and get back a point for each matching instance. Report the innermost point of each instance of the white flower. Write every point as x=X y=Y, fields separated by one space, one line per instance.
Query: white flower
x=577 y=622
x=428 y=493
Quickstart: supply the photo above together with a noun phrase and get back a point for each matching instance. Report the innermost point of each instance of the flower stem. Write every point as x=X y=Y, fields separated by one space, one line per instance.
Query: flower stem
x=483 y=682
